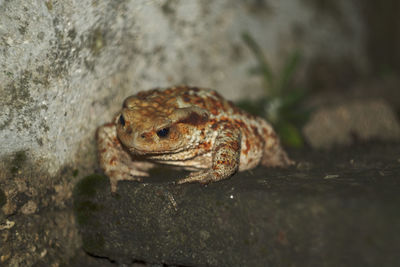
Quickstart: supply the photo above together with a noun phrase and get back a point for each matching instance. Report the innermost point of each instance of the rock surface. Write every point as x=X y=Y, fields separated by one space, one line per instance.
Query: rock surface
x=332 y=209
x=343 y=124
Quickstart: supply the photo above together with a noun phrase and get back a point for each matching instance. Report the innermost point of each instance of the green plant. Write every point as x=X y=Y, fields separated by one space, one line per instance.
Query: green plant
x=281 y=103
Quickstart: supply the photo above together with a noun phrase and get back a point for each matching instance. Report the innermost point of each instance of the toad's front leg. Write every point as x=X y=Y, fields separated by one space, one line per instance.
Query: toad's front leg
x=225 y=157
x=117 y=163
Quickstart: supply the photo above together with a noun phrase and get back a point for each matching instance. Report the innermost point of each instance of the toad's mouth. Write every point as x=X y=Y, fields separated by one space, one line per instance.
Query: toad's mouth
x=143 y=152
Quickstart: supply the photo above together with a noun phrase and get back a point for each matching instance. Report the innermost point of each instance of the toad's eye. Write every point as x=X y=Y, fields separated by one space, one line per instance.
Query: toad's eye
x=163 y=132
x=122 y=120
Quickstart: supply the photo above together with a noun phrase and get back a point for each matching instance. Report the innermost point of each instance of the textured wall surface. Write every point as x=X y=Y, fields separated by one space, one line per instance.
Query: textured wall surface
x=65 y=66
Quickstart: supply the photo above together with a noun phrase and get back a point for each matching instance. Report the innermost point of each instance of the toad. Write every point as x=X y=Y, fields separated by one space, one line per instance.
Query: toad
x=193 y=128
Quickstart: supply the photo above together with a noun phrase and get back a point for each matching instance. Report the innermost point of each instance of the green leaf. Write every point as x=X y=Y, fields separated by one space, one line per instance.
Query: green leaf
x=281 y=104
x=298 y=118
x=255 y=107
x=262 y=61
x=289 y=134
x=288 y=71
x=293 y=98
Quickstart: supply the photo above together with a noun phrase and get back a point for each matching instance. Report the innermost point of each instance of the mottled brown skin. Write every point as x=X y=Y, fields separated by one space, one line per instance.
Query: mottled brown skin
x=184 y=126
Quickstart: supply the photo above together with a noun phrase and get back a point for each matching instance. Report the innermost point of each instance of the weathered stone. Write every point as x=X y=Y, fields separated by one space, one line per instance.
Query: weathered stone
x=342 y=124
x=3 y=198
x=30 y=207
x=336 y=209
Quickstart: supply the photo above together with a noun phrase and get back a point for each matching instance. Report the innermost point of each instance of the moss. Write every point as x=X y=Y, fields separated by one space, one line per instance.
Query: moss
x=9 y=74
x=40 y=36
x=168 y=8
x=89 y=64
x=72 y=34
x=22 y=28
x=3 y=198
x=18 y=161
x=18 y=92
x=39 y=141
x=84 y=211
x=20 y=100
x=49 y=5
x=84 y=190
x=94 y=243
x=65 y=49
x=90 y=184
x=22 y=87
x=97 y=41
x=42 y=76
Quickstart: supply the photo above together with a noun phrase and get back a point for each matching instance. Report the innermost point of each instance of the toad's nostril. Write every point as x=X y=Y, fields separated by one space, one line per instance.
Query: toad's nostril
x=129 y=130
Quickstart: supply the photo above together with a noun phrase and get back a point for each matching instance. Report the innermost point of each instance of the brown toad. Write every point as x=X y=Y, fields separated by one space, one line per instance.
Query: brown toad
x=194 y=128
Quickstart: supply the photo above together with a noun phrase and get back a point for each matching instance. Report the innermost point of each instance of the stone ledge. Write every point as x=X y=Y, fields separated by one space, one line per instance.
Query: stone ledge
x=337 y=211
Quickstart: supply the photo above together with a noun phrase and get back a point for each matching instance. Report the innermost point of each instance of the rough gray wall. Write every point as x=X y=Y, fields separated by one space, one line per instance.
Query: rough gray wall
x=67 y=65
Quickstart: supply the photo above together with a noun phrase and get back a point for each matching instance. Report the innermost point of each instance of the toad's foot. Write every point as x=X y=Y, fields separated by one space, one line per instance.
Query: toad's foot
x=118 y=175
x=203 y=177
x=125 y=171
x=117 y=163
